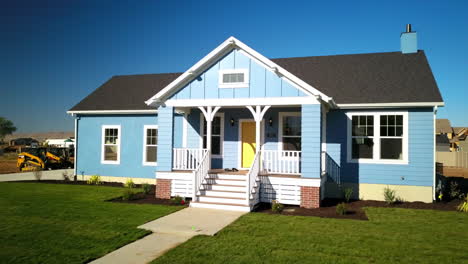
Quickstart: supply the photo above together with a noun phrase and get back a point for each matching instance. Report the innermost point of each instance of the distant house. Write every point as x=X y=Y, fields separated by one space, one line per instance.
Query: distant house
x=61 y=142
x=24 y=142
x=443 y=127
x=442 y=143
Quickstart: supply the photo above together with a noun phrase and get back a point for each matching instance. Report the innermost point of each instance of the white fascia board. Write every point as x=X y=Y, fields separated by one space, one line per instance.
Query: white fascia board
x=225 y=47
x=113 y=112
x=272 y=101
x=390 y=105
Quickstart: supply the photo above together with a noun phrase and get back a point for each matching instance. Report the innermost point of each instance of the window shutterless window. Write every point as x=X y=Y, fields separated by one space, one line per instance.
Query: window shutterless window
x=233 y=78
x=150 y=145
x=290 y=131
x=217 y=128
x=378 y=137
x=110 y=145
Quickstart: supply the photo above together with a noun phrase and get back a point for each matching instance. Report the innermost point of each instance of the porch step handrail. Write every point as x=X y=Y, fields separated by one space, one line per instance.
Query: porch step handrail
x=199 y=174
x=187 y=158
x=253 y=191
x=281 y=161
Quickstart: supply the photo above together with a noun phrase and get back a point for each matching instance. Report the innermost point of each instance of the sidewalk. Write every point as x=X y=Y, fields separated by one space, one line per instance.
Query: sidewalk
x=170 y=231
x=29 y=176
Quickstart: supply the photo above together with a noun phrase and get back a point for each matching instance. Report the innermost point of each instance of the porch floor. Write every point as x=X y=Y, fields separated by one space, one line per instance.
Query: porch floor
x=222 y=171
x=279 y=175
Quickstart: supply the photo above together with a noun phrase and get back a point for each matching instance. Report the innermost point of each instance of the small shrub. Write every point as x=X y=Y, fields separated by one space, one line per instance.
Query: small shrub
x=454 y=191
x=129 y=184
x=146 y=188
x=463 y=207
x=37 y=173
x=128 y=194
x=65 y=176
x=276 y=207
x=341 y=209
x=348 y=192
x=94 y=180
x=178 y=200
x=389 y=195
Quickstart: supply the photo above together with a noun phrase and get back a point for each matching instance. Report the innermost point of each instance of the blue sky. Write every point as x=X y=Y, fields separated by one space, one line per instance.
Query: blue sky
x=54 y=53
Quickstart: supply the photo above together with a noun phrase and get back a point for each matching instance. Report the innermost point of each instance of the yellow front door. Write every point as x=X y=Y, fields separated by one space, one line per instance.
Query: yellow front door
x=248 y=143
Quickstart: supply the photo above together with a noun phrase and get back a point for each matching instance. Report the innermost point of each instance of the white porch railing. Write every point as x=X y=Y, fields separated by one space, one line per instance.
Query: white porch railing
x=199 y=174
x=281 y=162
x=186 y=158
x=253 y=192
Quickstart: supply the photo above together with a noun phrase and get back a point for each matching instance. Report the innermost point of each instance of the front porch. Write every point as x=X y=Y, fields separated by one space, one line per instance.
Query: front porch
x=219 y=164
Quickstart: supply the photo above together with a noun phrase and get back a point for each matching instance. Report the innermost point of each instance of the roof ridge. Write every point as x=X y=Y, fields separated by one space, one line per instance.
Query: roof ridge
x=337 y=55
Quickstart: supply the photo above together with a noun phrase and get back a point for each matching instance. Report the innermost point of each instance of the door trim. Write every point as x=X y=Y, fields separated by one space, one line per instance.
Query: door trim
x=239 y=139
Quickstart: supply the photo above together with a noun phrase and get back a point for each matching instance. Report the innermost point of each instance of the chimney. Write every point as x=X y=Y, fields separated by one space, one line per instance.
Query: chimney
x=409 y=41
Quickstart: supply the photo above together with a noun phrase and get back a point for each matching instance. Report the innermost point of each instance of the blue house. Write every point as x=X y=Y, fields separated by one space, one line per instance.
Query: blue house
x=238 y=128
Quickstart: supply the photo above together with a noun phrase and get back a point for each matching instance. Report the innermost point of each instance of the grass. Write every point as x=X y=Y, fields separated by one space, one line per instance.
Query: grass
x=55 y=223
x=391 y=236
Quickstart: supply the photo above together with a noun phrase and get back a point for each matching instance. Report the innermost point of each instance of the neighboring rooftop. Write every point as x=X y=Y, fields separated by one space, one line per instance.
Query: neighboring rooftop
x=443 y=126
x=390 y=77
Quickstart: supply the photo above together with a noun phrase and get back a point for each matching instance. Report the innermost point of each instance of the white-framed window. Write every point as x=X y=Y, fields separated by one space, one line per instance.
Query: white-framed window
x=150 y=145
x=378 y=137
x=217 y=134
x=234 y=78
x=110 y=151
x=290 y=128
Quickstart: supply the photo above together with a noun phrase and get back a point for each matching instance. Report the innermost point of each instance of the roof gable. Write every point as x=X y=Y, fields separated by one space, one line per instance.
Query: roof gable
x=225 y=48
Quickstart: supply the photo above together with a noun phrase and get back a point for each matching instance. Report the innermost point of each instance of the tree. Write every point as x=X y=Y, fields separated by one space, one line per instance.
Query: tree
x=6 y=128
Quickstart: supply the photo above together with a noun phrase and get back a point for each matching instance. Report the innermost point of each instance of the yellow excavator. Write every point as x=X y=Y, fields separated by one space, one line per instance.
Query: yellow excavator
x=31 y=159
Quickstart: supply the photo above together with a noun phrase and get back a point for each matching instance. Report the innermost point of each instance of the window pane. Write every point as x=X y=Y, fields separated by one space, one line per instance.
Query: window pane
x=391 y=148
x=216 y=126
x=399 y=120
x=216 y=145
x=151 y=153
x=151 y=136
x=110 y=153
x=362 y=148
x=292 y=143
x=383 y=131
x=233 y=78
x=292 y=125
x=383 y=120
x=362 y=126
x=391 y=120
x=399 y=131
x=204 y=141
x=355 y=120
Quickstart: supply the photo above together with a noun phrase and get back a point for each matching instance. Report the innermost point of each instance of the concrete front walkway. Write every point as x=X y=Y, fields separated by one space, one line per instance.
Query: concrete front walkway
x=170 y=231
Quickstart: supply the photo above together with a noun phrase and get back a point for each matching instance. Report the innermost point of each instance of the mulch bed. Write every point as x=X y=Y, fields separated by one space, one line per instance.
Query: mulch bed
x=142 y=198
x=355 y=208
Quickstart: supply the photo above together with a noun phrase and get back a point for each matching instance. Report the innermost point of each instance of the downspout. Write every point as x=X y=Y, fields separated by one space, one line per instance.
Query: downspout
x=435 y=157
x=75 y=161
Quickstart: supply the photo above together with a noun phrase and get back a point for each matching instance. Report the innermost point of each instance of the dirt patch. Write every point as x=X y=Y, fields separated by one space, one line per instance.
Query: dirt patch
x=355 y=208
x=7 y=166
x=142 y=198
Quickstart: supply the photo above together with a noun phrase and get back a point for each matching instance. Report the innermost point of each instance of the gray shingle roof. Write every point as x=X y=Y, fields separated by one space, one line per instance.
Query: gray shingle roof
x=390 y=77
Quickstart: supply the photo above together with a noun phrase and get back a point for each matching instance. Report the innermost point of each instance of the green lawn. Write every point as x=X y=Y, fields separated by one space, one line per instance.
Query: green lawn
x=391 y=236
x=56 y=223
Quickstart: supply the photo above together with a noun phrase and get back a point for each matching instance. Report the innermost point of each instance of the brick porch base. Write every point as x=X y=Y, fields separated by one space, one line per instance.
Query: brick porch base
x=163 y=189
x=310 y=197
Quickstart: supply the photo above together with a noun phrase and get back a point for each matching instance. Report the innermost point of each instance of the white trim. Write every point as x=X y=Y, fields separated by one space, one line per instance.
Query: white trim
x=76 y=147
x=290 y=101
x=168 y=175
x=244 y=84
x=184 y=130
x=239 y=139
x=280 y=128
x=324 y=138
x=434 y=161
x=202 y=119
x=225 y=47
x=145 y=131
x=390 y=105
x=376 y=149
x=119 y=137
x=115 y=112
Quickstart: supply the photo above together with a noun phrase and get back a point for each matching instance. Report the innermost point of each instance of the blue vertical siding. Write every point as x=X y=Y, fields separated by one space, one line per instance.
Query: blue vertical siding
x=131 y=146
x=311 y=141
x=262 y=83
x=178 y=130
x=165 y=137
x=418 y=171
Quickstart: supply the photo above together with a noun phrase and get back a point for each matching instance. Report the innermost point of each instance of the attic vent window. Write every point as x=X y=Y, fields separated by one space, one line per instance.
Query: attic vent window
x=234 y=78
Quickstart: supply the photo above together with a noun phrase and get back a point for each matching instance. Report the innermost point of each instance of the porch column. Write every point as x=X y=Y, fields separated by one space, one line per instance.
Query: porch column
x=209 y=112
x=258 y=114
